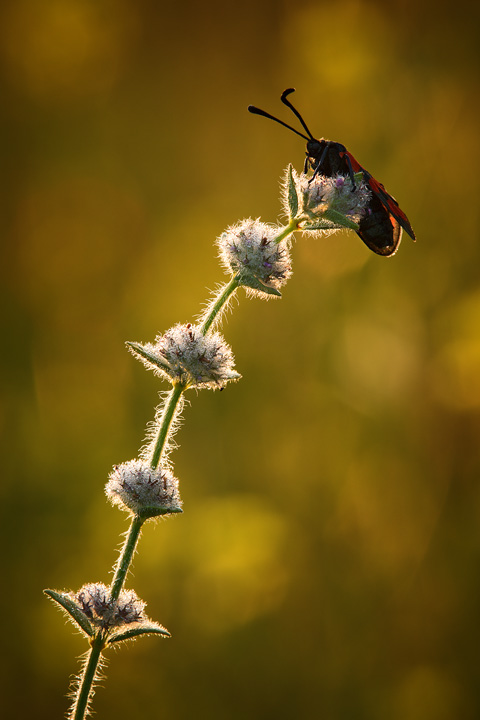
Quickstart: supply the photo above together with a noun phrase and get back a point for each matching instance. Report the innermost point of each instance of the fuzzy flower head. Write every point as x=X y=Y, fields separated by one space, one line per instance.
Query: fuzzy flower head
x=93 y=600
x=187 y=357
x=142 y=490
x=250 y=251
x=94 y=612
x=325 y=203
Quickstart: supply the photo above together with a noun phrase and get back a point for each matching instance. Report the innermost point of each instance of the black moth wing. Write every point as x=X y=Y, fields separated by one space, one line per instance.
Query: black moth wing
x=379 y=229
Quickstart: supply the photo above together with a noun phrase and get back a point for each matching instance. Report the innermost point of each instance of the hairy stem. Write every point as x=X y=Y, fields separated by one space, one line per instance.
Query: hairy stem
x=169 y=411
x=126 y=556
x=218 y=304
x=85 y=688
x=289 y=229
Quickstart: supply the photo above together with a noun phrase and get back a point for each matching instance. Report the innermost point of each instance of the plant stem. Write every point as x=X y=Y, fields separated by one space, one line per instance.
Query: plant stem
x=288 y=229
x=169 y=410
x=123 y=564
x=90 y=670
x=127 y=552
x=222 y=298
x=126 y=557
x=171 y=404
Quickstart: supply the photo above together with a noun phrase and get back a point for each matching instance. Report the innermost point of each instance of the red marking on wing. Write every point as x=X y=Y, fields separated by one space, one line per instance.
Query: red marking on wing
x=388 y=202
x=391 y=205
x=356 y=167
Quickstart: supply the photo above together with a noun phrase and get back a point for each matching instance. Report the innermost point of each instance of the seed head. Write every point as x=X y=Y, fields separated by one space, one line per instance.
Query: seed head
x=184 y=356
x=142 y=490
x=249 y=250
x=93 y=600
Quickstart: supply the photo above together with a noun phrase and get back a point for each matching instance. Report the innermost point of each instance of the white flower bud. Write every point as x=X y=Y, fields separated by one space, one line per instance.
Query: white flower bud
x=142 y=490
x=185 y=356
x=250 y=250
x=323 y=202
x=93 y=600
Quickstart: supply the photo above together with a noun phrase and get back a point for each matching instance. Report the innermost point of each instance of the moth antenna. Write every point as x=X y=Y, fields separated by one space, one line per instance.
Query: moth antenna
x=286 y=102
x=257 y=111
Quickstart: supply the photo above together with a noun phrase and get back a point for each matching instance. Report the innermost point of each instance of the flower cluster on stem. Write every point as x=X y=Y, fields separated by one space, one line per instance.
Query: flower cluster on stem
x=256 y=256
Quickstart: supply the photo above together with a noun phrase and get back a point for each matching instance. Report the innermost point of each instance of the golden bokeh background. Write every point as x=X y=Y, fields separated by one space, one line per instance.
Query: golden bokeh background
x=327 y=563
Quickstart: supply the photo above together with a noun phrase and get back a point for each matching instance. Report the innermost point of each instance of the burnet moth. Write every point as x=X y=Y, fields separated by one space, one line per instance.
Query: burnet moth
x=381 y=227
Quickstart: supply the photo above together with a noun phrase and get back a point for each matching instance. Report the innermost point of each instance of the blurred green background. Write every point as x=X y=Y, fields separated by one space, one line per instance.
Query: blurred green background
x=327 y=563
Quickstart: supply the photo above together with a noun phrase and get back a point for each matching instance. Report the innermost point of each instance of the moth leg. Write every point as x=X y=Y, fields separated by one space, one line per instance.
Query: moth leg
x=319 y=164
x=350 y=171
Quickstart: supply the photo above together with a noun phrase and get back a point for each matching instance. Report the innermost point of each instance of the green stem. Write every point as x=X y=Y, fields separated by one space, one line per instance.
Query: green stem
x=288 y=229
x=222 y=298
x=126 y=557
x=166 y=422
x=171 y=405
x=88 y=677
x=127 y=552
